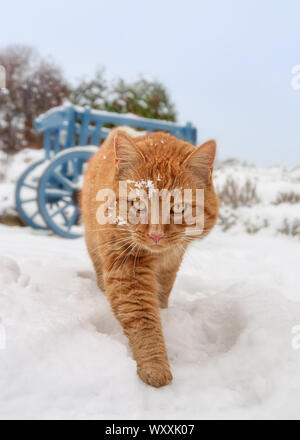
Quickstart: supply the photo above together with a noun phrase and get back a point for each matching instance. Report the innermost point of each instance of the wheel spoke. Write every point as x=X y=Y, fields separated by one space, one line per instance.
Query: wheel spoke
x=27 y=185
x=28 y=200
x=63 y=180
x=34 y=215
x=61 y=209
x=55 y=192
x=65 y=217
x=73 y=218
x=75 y=166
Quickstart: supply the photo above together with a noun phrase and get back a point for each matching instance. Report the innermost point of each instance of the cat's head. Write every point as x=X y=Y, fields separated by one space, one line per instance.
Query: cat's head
x=157 y=169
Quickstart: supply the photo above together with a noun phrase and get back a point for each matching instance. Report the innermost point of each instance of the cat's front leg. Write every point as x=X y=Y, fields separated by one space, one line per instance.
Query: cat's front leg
x=132 y=291
x=167 y=271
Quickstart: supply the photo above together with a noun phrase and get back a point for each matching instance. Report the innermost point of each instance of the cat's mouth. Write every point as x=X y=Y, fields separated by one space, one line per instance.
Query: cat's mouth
x=150 y=245
x=156 y=247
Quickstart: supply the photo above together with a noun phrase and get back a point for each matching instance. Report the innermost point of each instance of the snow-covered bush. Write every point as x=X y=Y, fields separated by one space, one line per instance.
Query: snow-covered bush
x=290 y=227
x=287 y=197
x=144 y=97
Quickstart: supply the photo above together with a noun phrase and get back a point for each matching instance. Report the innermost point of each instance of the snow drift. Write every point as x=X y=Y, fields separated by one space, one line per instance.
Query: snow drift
x=229 y=333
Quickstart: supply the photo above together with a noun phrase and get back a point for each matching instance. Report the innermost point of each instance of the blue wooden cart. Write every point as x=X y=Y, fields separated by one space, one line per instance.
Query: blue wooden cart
x=47 y=192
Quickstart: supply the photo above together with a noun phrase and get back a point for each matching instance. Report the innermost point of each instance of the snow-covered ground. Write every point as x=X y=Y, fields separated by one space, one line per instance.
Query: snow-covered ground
x=229 y=333
x=232 y=328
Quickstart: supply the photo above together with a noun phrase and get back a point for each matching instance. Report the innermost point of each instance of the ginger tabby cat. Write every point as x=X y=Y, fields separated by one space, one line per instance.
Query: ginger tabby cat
x=136 y=264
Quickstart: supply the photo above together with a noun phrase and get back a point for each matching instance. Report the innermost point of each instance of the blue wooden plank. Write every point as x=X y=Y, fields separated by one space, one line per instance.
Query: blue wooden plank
x=47 y=142
x=56 y=141
x=97 y=133
x=51 y=119
x=148 y=124
x=70 y=128
x=84 y=129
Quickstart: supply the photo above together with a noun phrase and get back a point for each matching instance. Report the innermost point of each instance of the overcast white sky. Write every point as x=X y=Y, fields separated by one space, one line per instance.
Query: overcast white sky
x=227 y=63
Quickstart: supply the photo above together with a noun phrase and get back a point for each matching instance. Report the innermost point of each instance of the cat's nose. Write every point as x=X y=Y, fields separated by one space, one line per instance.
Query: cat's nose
x=156 y=236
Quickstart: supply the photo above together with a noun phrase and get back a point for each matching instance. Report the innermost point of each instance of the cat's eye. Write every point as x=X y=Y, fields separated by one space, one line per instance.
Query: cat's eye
x=139 y=205
x=177 y=208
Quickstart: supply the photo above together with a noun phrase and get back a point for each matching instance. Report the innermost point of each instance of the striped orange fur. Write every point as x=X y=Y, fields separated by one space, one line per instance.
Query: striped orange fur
x=136 y=265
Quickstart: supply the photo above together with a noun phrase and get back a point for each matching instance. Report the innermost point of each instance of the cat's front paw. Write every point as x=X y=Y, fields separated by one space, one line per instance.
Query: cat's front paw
x=154 y=374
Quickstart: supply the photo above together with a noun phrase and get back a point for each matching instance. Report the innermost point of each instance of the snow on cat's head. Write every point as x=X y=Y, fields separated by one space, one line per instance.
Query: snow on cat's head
x=167 y=190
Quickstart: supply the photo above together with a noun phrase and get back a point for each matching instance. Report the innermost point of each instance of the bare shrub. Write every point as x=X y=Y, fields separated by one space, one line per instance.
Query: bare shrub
x=4 y=163
x=252 y=228
x=287 y=197
x=33 y=85
x=234 y=195
x=227 y=221
x=290 y=228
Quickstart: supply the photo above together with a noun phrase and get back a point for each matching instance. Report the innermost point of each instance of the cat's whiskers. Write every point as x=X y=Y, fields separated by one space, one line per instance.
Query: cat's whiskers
x=106 y=243
x=135 y=259
x=116 y=259
x=114 y=228
x=125 y=260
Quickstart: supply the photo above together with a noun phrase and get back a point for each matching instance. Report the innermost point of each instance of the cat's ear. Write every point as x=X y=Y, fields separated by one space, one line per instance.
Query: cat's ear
x=127 y=155
x=201 y=162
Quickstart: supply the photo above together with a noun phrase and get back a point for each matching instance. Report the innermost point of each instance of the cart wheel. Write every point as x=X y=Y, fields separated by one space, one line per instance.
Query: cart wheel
x=26 y=196
x=58 y=191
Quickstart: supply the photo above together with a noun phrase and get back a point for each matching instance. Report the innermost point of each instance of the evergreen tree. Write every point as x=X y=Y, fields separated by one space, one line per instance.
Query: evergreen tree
x=144 y=97
x=149 y=99
x=91 y=93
